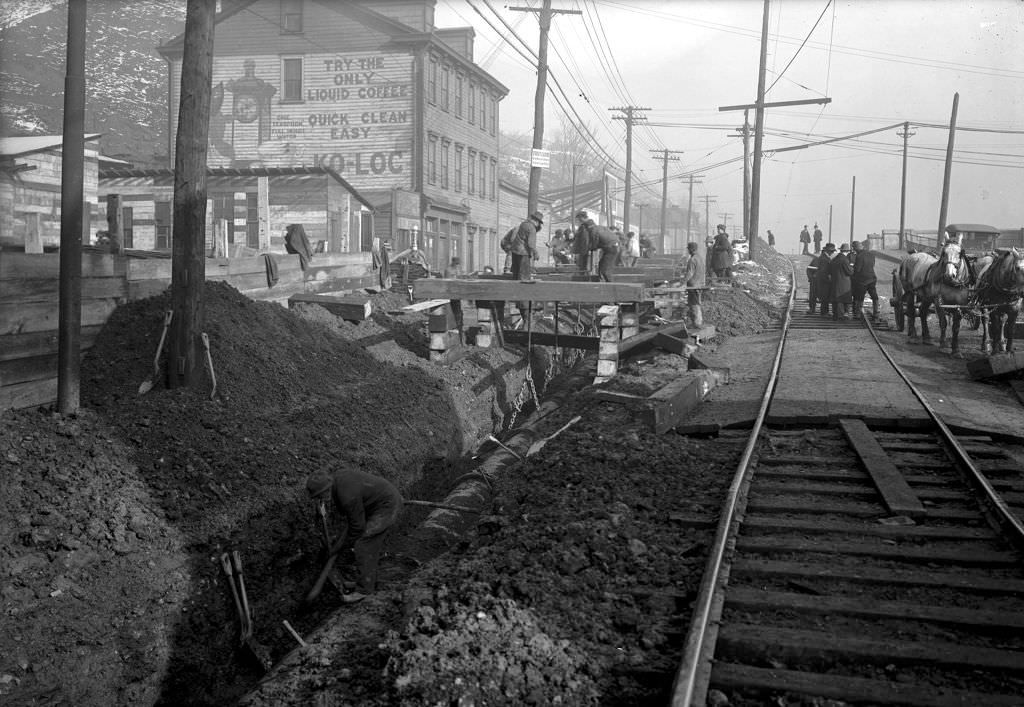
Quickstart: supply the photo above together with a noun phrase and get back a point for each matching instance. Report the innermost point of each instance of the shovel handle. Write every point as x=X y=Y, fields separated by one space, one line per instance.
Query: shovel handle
x=318 y=586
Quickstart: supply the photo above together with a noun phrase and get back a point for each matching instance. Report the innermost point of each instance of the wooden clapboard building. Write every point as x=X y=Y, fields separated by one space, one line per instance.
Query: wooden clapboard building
x=373 y=91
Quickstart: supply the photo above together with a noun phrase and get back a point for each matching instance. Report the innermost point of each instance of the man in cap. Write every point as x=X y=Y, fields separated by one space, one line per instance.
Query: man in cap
x=840 y=271
x=864 y=279
x=818 y=235
x=369 y=507
x=524 y=246
x=590 y=237
x=721 y=254
x=805 y=240
x=693 y=273
x=823 y=278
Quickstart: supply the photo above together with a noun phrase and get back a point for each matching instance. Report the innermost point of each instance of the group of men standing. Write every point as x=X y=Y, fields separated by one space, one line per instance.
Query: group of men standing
x=806 y=238
x=520 y=246
x=839 y=278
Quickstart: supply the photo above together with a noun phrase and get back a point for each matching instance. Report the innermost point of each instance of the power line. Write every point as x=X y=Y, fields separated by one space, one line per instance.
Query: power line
x=797 y=53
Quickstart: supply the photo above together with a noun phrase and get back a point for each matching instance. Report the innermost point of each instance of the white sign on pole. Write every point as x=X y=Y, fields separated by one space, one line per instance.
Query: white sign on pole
x=540 y=158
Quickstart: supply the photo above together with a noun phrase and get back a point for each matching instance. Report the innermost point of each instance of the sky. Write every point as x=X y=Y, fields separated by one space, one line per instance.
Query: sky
x=881 y=62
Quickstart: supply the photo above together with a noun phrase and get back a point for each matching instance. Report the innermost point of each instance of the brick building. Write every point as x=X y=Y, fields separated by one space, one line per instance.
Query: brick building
x=372 y=90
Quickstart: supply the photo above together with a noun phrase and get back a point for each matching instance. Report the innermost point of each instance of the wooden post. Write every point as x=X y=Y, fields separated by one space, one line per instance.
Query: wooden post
x=263 y=210
x=33 y=233
x=944 y=203
x=608 y=347
x=444 y=333
x=486 y=326
x=220 y=238
x=115 y=230
x=630 y=320
x=188 y=256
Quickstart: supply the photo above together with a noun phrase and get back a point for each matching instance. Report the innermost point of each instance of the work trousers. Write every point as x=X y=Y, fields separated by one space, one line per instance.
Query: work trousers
x=859 y=291
x=608 y=258
x=817 y=247
x=368 y=547
x=812 y=294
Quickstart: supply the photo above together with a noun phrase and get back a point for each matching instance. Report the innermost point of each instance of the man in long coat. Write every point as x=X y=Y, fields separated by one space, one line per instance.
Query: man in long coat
x=721 y=254
x=864 y=279
x=823 y=277
x=840 y=271
x=812 y=284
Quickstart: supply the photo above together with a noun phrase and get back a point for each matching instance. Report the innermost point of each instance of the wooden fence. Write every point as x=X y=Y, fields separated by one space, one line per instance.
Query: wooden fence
x=29 y=302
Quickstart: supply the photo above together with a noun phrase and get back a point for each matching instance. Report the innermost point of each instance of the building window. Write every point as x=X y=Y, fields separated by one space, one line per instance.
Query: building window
x=291 y=79
x=162 y=221
x=494 y=116
x=483 y=175
x=471 y=108
x=458 y=95
x=291 y=16
x=432 y=82
x=458 y=167
x=445 y=72
x=432 y=160
x=483 y=110
x=471 y=174
x=494 y=178
x=445 y=149
x=127 y=227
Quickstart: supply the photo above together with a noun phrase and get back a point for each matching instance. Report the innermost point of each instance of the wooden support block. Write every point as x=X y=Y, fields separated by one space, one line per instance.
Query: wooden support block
x=896 y=493
x=611 y=396
x=442 y=318
x=544 y=338
x=483 y=315
x=607 y=368
x=535 y=291
x=709 y=362
x=351 y=308
x=705 y=333
x=629 y=320
x=443 y=340
x=669 y=406
x=996 y=365
x=644 y=341
x=609 y=334
x=670 y=344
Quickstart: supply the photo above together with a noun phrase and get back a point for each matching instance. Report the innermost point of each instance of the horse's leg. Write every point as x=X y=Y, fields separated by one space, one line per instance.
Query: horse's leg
x=954 y=342
x=986 y=344
x=926 y=337
x=1011 y=321
x=909 y=312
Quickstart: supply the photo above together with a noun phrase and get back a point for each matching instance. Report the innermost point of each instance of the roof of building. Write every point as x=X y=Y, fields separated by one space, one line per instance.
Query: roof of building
x=17 y=146
x=165 y=172
x=971 y=228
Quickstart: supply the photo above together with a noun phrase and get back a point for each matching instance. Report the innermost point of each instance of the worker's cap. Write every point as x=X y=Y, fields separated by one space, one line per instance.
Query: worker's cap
x=857 y=245
x=317 y=483
x=691 y=246
x=537 y=216
x=721 y=227
x=558 y=231
x=830 y=247
x=845 y=248
x=581 y=214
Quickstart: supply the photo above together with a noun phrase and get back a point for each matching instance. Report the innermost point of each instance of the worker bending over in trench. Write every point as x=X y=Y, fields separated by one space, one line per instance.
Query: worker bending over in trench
x=369 y=507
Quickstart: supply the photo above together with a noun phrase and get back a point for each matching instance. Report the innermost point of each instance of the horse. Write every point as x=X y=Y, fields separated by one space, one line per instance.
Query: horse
x=944 y=281
x=999 y=293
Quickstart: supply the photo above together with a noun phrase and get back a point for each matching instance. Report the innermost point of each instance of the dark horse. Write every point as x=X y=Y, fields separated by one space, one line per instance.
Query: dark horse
x=943 y=281
x=999 y=293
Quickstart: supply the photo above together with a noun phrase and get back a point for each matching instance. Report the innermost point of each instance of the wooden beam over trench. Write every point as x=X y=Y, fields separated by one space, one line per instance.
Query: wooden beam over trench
x=535 y=291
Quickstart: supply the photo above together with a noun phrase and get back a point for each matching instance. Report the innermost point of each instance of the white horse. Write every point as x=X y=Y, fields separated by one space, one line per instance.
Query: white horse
x=943 y=281
x=999 y=293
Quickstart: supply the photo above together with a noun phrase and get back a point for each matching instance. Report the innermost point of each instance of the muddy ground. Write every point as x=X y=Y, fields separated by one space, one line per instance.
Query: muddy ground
x=574 y=589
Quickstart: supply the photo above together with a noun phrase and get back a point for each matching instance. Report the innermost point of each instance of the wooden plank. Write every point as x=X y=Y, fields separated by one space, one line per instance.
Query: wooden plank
x=897 y=495
x=710 y=362
x=40 y=343
x=148 y=269
x=536 y=291
x=871 y=510
x=873 y=608
x=15 y=265
x=543 y=338
x=839 y=687
x=353 y=309
x=48 y=289
x=421 y=306
x=611 y=396
x=644 y=341
x=140 y=289
x=966 y=554
x=671 y=344
x=30 y=394
x=31 y=368
x=753 y=643
x=671 y=404
x=442 y=318
x=852 y=574
x=37 y=316
x=822 y=526
x=996 y=365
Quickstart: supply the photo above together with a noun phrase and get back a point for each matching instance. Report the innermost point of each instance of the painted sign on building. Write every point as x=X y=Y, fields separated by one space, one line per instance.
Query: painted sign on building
x=352 y=113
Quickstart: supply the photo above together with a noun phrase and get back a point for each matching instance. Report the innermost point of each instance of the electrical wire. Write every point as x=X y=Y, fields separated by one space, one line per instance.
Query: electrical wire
x=797 y=53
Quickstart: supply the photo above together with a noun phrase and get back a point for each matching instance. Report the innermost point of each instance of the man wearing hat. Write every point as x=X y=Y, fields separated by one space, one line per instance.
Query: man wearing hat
x=864 y=279
x=369 y=507
x=840 y=271
x=721 y=254
x=823 y=278
x=524 y=246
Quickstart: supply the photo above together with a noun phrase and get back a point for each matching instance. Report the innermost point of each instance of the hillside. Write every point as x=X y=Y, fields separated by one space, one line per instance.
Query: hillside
x=126 y=80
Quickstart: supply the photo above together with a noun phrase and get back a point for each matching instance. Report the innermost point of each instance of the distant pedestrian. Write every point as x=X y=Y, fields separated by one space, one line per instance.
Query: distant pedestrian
x=823 y=278
x=840 y=290
x=817 y=238
x=632 y=249
x=454 y=269
x=722 y=254
x=771 y=238
x=557 y=248
x=693 y=272
x=863 y=280
x=646 y=247
x=805 y=240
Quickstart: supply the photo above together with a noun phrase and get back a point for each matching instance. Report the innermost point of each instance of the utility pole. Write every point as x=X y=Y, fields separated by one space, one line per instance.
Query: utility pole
x=572 y=195
x=640 y=218
x=188 y=246
x=759 y=105
x=665 y=159
x=744 y=132
x=949 y=168
x=72 y=178
x=853 y=201
x=903 y=184
x=830 y=223
x=538 y=100
x=689 y=208
x=725 y=218
x=629 y=118
x=708 y=199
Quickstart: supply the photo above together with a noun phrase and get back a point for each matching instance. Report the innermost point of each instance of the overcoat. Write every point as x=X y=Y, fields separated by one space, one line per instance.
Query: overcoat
x=840 y=271
x=721 y=253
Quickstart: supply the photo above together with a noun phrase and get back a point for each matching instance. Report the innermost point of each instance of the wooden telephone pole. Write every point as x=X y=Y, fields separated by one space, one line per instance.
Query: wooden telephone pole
x=630 y=119
x=538 y=100
x=188 y=256
x=689 y=207
x=906 y=134
x=665 y=159
x=72 y=178
x=759 y=106
x=944 y=203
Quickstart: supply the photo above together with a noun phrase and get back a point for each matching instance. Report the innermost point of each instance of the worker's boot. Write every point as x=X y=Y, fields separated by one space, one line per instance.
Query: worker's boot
x=874 y=310
x=857 y=308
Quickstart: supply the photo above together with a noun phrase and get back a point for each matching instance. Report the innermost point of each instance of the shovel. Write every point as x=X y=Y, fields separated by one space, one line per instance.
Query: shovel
x=539 y=445
x=147 y=385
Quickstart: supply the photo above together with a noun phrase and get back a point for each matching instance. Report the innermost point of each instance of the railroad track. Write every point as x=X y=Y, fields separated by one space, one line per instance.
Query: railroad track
x=868 y=564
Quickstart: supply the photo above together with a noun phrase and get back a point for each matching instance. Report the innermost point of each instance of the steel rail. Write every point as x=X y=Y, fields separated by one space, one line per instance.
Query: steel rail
x=996 y=504
x=697 y=649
